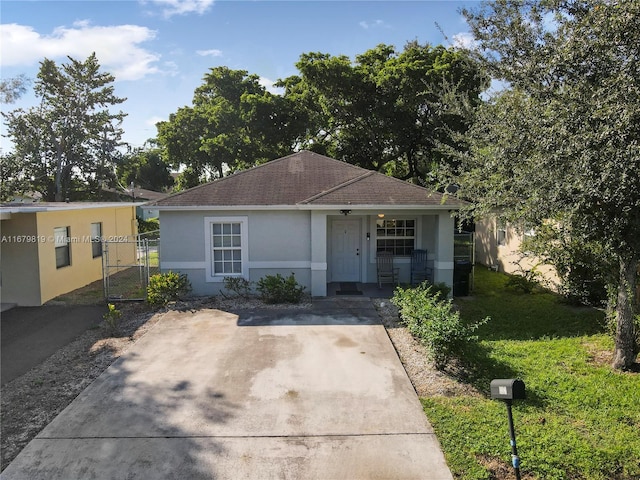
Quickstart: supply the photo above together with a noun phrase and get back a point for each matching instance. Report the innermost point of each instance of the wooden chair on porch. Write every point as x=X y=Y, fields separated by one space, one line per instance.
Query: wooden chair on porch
x=387 y=273
x=420 y=269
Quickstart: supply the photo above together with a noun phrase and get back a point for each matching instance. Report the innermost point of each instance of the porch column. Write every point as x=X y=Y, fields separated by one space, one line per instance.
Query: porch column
x=443 y=264
x=318 y=254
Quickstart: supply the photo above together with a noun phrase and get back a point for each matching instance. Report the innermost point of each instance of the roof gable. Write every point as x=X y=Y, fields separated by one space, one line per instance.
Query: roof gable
x=305 y=178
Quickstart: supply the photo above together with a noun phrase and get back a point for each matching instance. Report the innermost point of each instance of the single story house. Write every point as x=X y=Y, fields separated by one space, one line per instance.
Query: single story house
x=322 y=219
x=49 y=249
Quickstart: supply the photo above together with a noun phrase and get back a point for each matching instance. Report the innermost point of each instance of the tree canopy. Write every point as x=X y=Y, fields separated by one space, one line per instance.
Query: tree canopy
x=13 y=88
x=388 y=110
x=385 y=111
x=560 y=145
x=233 y=123
x=65 y=147
x=145 y=168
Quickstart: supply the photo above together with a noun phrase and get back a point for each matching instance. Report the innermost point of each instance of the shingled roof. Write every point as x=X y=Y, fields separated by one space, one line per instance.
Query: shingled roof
x=306 y=178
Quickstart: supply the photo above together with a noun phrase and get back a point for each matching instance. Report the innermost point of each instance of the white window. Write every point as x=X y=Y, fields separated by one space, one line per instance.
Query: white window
x=63 y=249
x=397 y=236
x=227 y=247
x=96 y=239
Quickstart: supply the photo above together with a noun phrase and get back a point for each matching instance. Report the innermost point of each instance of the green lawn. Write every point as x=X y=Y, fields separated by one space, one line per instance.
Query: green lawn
x=581 y=419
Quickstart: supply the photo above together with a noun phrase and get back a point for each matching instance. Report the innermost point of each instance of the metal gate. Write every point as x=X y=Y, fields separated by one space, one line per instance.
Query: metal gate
x=127 y=265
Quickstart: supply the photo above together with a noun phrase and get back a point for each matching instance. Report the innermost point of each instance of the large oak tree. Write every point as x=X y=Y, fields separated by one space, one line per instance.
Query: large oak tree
x=234 y=122
x=560 y=145
x=388 y=110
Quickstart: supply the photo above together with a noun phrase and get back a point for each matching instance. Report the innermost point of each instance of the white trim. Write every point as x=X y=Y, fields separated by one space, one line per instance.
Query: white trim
x=252 y=265
x=183 y=265
x=443 y=265
x=281 y=264
x=208 y=248
x=58 y=207
x=319 y=266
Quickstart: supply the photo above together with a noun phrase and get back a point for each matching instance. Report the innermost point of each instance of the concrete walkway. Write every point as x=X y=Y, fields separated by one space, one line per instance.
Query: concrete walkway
x=292 y=394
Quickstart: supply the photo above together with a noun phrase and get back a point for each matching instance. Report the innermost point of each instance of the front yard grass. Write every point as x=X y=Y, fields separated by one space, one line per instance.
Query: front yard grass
x=581 y=419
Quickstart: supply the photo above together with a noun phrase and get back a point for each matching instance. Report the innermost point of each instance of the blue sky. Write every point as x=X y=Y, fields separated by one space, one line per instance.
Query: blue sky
x=159 y=50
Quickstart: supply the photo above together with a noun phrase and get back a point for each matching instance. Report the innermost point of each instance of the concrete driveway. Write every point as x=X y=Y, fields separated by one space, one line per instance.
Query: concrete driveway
x=316 y=394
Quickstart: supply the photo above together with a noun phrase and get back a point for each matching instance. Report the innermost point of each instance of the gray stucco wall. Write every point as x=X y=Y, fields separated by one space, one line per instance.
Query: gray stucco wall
x=281 y=242
x=278 y=242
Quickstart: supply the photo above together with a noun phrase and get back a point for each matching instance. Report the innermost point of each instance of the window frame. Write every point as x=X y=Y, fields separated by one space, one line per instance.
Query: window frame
x=65 y=245
x=96 y=241
x=501 y=235
x=209 y=222
x=415 y=236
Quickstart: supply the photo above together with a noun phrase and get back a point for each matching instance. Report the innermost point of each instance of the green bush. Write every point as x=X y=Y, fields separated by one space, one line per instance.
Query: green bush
x=149 y=227
x=440 y=288
x=277 y=289
x=241 y=287
x=167 y=287
x=433 y=320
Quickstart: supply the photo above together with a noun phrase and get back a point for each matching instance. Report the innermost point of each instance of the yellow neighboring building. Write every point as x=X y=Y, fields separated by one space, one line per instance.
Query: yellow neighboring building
x=498 y=247
x=49 y=249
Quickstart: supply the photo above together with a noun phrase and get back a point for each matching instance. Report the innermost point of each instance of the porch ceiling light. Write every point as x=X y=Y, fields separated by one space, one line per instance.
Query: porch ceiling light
x=345 y=212
x=381 y=215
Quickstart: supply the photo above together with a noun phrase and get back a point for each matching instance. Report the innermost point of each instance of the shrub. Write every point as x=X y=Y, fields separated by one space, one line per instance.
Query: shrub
x=440 y=288
x=277 y=289
x=525 y=280
x=151 y=225
x=112 y=319
x=238 y=285
x=433 y=320
x=166 y=287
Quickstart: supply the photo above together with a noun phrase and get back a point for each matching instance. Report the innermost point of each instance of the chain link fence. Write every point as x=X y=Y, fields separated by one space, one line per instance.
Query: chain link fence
x=127 y=265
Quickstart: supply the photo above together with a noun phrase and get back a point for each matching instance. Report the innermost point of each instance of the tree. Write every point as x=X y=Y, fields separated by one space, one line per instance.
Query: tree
x=13 y=88
x=388 y=110
x=561 y=145
x=12 y=180
x=146 y=168
x=233 y=123
x=67 y=145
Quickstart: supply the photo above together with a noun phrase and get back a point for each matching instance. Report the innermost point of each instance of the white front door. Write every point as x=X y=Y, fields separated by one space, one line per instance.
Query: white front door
x=345 y=251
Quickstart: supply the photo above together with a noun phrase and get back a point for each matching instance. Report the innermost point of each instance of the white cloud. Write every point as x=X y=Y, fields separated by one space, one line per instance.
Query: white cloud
x=270 y=87
x=375 y=24
x=117 y=47
x=182 y=7
x=153 y=120
x=170 y=69
x=210 y=53
x=465 y=40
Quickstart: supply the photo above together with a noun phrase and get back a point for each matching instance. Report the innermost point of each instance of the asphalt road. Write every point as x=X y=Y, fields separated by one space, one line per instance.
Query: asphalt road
x=29 y=335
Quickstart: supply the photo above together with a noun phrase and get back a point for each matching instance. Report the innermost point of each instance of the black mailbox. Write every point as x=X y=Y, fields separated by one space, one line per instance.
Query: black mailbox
x=507 y=389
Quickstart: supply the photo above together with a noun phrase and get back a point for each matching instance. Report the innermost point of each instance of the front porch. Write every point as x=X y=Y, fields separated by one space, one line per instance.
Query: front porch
x=371 y=290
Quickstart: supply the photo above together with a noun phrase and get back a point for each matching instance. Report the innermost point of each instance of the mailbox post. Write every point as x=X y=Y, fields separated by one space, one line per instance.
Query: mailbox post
x=508 y=390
